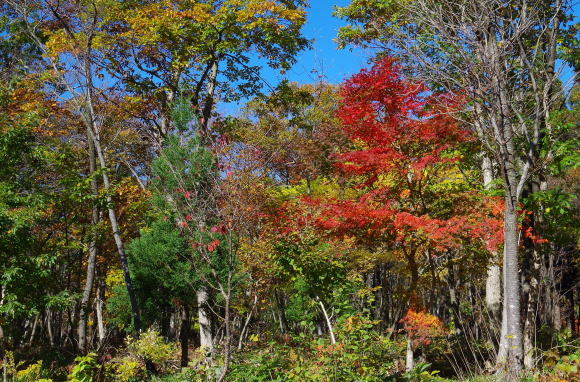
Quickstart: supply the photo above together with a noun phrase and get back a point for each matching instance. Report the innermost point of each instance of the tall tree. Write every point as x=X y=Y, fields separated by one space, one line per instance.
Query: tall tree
x=70 y=53
x=406 y=144
x=208 y=49
x=499 y=56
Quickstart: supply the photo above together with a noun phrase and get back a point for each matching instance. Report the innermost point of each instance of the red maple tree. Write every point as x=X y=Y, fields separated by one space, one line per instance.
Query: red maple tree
x=406 y=148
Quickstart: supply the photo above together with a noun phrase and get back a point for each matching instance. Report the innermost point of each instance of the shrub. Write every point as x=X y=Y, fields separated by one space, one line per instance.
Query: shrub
x=85 y=369
x=151 y=346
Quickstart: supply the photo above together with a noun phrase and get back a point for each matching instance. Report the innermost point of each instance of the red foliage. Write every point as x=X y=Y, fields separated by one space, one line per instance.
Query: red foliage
x=406 y=138
x=401 y=128
x=422 y=327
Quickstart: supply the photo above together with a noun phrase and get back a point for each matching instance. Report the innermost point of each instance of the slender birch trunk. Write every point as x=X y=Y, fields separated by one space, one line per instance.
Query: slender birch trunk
x=327 y=319
x=91 y=261
x=99 y=312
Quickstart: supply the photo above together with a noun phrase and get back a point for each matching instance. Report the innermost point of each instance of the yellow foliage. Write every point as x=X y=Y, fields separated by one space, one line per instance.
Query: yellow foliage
x=127 y=369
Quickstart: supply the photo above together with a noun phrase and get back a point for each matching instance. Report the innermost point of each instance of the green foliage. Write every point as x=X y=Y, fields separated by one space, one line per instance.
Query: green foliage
x=360 y=355
x=303 y=256
x=179 y=43
x=84 y=369
x=422 y=373
x=22 y=201
x=184 y=164
x=369 y=21
x=118 y=303
x=33 y=373
x=186 y=186
x=568 y=366
x=151 y=346
x=197 y=370
x=160 y=265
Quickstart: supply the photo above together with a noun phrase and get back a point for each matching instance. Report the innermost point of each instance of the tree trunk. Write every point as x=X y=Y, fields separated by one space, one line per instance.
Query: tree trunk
x=119 y=243
x=512 y=289
x=502 y=352
x=205 y=335
x=99 y=312
x=409 y=357
x=280 y=303
x=453 y=308
x=493 y=281
x=91 y=261
x=49 y=328
x=535 y=260
x=116 y=234
x=327 y=319
x=493 y=289
x=228 y=338
x=184 y=337
x=33 y=332
x=210 y=97
x=247 y=322
x=531 y=313
x=94 y=135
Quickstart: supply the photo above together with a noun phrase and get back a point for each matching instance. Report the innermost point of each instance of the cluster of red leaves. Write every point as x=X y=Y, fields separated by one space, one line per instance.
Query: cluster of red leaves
x=289 y=217
x=405 y=137
x=369 y=221
x=401 y=128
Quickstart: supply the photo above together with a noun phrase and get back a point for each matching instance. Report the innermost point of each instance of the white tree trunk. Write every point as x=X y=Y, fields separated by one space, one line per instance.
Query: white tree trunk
x=99 y=310
x=409 y=357
x=327 y=319
x=493 y=281
x=205 y=336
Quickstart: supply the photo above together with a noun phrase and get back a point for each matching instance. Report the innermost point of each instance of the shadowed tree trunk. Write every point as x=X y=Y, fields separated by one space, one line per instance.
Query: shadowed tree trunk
x=184 y=336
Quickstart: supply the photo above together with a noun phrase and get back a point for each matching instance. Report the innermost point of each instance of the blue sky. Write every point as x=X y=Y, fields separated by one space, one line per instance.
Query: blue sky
x=323 y=59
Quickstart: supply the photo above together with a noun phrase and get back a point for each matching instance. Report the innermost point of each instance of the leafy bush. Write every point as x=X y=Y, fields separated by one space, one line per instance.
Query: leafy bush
x=32 y=373
x=151 y=346
x=421 y=373
x=360 y=355
x=126 y=369
x=85 y=369
x=561 y=367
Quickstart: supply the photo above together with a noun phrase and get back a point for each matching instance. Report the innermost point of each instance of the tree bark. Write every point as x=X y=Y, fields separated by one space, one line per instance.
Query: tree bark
x=99 y=312
x=184 y=337
x=210 y=100
x=512 y=290
x=531 y=313
x=95 y=136
x=493 y=280
x=327 y=319
x=409 y=356
x=281 y=305
x=247 y=322
x=91 y=261
x=502 y=352
x=205 y=335
x=534 y=252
